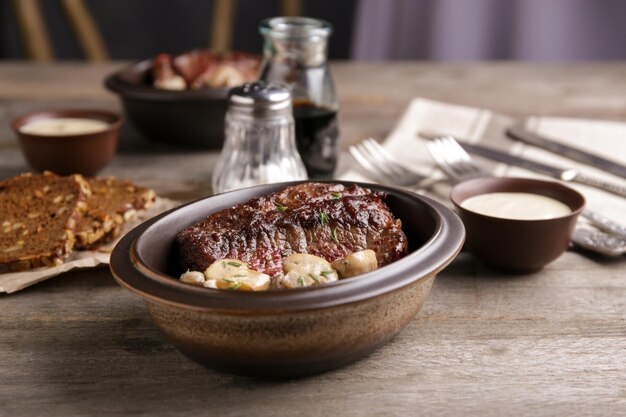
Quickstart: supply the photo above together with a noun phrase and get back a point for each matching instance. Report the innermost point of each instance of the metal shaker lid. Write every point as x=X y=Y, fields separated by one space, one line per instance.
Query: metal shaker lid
x=260 y=96
x=295 y=27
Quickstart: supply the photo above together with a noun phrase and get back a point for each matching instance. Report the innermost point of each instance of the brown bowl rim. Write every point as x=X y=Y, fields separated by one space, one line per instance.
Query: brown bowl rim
x=472 y=183
x=131 y=272
x=116 y=83
x=114 y=125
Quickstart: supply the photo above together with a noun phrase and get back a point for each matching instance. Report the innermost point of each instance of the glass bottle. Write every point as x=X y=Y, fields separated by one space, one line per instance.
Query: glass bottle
x=295 y=53
x=259 y=145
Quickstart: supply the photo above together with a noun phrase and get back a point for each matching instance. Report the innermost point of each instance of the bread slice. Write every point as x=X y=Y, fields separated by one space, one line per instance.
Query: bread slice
x=112 y=202
x=38 y=216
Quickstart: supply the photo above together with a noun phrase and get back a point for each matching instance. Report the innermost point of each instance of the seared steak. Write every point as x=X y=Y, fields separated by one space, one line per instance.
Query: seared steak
x=327 y=220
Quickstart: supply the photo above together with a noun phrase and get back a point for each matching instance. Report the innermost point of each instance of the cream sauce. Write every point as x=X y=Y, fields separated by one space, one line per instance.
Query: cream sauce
x=517 y=206
x=64 y=126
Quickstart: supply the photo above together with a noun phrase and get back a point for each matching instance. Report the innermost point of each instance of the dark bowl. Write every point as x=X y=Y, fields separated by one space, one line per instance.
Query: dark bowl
x=84 y=154
x=192 y=118
x=286 y=332
x=523 y=245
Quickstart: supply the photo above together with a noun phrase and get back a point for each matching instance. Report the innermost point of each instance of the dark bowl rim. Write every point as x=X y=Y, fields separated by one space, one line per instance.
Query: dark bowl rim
x=457 y=203
x=131 y=272
x=115 y=83
x=114 y=125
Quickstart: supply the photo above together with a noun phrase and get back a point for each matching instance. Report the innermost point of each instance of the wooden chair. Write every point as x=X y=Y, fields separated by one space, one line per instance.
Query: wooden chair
x=37 y=38
x=222 y=25
x=39 y=48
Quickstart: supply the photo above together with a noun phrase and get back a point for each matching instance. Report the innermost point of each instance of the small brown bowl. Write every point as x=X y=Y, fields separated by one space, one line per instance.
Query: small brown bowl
x=84 y=154
x=523 y=245
x=286 y=332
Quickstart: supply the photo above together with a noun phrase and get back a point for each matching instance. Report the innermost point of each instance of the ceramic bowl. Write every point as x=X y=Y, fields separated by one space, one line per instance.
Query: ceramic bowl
x=192 y=118
x=523 y=245
x=72 y=154
x=286 y=332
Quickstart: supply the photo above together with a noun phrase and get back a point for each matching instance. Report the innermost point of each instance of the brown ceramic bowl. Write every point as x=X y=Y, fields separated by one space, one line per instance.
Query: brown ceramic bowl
x=192 y=118
x=523 y=245
x=286 y=332
x=72 y=154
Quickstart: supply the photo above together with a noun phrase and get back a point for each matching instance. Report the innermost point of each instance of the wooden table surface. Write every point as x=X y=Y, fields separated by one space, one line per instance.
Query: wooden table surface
x=485 y=344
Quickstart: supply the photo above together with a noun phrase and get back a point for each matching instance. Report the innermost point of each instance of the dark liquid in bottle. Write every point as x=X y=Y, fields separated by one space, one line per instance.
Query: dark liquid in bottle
x=317 y=138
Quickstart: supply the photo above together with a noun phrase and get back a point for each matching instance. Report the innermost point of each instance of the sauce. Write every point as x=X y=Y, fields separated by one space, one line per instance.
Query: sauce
x=64 y=126
x=316 y=137
x=517 y=206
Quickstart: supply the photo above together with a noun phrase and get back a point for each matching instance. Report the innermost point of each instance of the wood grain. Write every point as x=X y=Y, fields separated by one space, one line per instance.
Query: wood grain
x=486 y=343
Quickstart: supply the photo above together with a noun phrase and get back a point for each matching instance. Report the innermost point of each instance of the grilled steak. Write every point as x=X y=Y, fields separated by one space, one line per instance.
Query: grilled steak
x=327 y=220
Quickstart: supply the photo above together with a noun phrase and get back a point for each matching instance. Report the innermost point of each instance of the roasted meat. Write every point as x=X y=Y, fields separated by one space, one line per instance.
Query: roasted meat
x=164 y=75
x=202 y=68
x=327 y=220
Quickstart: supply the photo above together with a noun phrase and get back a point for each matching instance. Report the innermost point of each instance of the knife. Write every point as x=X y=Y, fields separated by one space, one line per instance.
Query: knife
x=568 y=175
x=518 y=132
x=594 y=242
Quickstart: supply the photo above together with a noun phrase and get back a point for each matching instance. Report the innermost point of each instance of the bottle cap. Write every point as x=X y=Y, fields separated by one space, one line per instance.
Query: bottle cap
x=259 y=96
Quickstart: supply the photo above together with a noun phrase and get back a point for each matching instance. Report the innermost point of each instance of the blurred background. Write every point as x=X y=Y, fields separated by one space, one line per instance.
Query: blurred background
x=442 y=30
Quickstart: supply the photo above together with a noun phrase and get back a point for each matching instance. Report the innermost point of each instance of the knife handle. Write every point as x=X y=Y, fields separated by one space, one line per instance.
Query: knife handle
x=604 y=223
x=611 y=187
x=599 y=242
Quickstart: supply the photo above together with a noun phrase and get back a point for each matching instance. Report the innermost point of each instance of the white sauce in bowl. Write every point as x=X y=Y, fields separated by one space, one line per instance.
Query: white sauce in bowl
x=64 y=126
x=517 y=206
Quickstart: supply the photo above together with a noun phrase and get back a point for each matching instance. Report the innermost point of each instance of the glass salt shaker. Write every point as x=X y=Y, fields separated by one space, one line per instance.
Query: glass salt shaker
x=259 y=145
x=295 y=53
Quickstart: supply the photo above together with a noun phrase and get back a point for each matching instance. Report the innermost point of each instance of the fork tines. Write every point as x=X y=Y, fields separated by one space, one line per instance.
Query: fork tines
x=381 y=165
x=453 y=159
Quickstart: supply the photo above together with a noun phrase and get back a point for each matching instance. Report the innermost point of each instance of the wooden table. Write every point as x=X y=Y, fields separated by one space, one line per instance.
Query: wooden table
x=551 y=343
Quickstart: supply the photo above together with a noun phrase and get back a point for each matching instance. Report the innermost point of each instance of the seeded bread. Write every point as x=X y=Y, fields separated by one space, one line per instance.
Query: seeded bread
x=112 y=202
x=38 y=217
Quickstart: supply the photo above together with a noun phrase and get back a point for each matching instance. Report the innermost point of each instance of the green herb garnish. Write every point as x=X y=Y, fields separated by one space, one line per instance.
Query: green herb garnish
x=279 y=206
x=326 y=273
x=232 y=263
x=234 y=284
x=335 y=235
x=314 y=278
x=324 y=219
x=335 y=195
x=239 y=276
x=301 y=281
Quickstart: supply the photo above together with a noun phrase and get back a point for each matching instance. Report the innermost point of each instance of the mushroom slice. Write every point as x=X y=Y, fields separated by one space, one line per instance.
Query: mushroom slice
x=232 y=274
x=256 y=281
x=193 y=277
x=225 y=268
x=304 y=270
x=356 y=263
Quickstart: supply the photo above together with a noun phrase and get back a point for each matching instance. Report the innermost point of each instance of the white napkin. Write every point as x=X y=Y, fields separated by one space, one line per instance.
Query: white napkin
x=604 y=138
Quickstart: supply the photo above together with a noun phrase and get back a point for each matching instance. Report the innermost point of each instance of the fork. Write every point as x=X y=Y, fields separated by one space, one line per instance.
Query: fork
x=382 y=166
x=459 y=166
x=453 y=159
